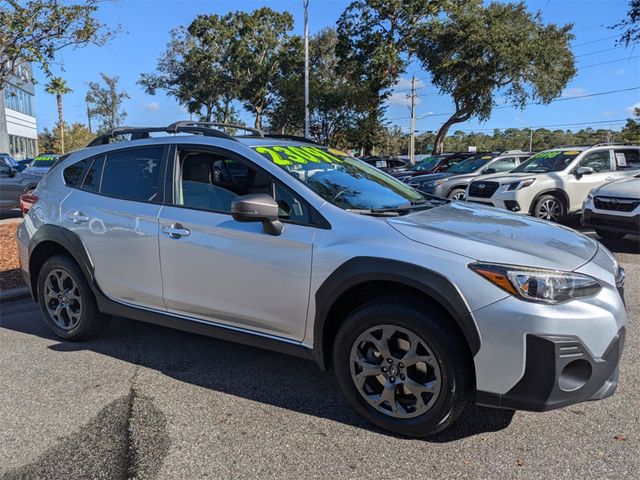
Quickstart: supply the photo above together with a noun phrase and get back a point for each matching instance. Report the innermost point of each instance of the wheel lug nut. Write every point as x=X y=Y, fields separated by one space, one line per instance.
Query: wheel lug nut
x=384 y=369
x=392 y=379
x=401 y=365
x=390 y=360
x=402 y=377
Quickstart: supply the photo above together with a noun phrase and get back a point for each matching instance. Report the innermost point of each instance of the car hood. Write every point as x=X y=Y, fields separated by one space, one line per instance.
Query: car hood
x=629 y=188
x=491 y=235
x=507 y=177
x=430 y=177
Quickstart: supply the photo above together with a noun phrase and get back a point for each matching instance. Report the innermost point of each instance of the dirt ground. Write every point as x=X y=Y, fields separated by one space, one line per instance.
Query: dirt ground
x=9 y=265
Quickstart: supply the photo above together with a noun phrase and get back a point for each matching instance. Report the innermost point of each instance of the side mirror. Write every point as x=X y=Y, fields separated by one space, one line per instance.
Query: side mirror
x=489 y=170
x=584 y=171
x=258 y=207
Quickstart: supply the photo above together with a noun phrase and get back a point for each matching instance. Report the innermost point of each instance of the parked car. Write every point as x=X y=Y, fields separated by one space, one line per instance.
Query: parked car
x=453 y=183
x=556 y=182
x=41 y=164
x=388 y=164
x=420 y=305
x=433 y=164
x=14 y=184
x=613 y=209
x=8 y=160
x=24 y=163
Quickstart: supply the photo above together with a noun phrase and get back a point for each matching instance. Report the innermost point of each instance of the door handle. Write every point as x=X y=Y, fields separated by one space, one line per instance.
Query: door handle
x=77 y=217
x=608 y=178
x=175 y=230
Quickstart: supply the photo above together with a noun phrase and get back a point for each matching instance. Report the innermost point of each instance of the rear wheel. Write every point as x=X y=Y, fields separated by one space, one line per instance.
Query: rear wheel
x=610 y=234
x=67 y=302
x=549 y=207
x=400 y=367
x=456 y=194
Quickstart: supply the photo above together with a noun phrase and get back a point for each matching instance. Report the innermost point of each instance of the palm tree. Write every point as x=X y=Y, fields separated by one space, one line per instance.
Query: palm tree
x=58 y=86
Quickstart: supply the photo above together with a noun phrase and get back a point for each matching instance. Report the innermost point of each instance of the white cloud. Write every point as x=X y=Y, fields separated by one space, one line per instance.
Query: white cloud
x=632 y=108
x=574 y=92
x=151 y=107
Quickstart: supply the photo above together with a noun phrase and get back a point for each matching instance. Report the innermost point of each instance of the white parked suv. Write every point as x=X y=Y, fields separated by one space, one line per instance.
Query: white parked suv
x=556 y=182
x=613 y=210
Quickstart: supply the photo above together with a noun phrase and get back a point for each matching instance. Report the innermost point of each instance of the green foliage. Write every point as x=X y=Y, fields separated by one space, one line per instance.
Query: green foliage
x=374 y=47
x=197 y=69
x=630 y=25
x=58 y=86
x=105 y=103
x=631 y=131
x=475 y=51
x=34 y=31
x=76 y=136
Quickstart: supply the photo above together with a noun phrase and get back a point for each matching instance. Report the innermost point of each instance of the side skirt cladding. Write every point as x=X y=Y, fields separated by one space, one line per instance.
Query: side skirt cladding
x=361 y=270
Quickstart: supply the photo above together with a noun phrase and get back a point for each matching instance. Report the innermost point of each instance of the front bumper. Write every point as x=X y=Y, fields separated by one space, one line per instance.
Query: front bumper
x=613 y=222
x=560 y=371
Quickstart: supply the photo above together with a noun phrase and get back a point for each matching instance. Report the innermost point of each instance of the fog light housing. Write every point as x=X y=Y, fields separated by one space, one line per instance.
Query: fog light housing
x=574 y=375
x=512 y=205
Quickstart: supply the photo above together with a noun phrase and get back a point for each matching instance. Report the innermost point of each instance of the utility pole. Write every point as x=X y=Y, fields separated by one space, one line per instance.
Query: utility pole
x=530 y=139
x=412 y=138
x=307 y=134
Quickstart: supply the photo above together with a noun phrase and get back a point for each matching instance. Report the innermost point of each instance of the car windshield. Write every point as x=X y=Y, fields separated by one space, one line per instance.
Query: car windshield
x=549 y=161
x=427 y=164
x=340 y=179
x=470 y=164
x=44 y=161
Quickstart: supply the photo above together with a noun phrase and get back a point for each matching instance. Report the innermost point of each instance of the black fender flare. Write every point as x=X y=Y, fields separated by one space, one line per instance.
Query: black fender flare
x=360 y=270
x=68 y=240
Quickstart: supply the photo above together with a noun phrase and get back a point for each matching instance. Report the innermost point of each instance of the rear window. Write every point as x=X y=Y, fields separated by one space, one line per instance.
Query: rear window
x=132 y=174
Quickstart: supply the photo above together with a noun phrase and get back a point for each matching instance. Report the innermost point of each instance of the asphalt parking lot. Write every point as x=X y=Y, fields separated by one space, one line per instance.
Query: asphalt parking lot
x=148 y=402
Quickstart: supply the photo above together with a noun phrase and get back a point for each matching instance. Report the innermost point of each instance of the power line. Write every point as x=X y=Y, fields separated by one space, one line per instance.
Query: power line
x=604 y=122
x=610 y=61
x=562 y=99
x=596 y=41
x=599 y=51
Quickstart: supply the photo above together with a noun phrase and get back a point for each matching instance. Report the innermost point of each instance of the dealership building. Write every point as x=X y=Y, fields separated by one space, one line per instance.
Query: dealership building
x=18 y=133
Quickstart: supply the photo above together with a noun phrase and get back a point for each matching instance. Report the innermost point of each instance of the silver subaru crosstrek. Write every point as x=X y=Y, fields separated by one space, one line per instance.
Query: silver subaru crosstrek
x=420 y=305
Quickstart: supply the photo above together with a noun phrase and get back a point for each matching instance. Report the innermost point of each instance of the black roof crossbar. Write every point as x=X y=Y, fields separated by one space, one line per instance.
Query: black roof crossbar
x=188 y=123
x=284 y=136
x=139 y=133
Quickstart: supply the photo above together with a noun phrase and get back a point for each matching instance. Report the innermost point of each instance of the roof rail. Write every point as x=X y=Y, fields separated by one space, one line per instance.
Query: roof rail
x=188 y=123
x=138 y=133
x=605 y=144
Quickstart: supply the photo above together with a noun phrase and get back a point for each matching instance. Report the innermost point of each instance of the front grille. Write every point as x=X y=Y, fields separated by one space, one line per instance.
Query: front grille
x=616 y=204
x=483 y=189
x=619 y=222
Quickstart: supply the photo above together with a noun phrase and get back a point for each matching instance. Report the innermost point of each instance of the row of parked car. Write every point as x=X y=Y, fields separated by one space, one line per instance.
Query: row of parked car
x=18 y=177
x=600 y=182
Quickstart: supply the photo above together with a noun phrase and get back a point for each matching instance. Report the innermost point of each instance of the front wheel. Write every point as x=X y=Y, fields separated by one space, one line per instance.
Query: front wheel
x=456 y=194
x=610 y=234
x=549 y=207
x=401 y=367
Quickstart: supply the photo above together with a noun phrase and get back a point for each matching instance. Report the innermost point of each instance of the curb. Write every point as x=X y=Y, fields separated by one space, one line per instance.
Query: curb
x=14 y=294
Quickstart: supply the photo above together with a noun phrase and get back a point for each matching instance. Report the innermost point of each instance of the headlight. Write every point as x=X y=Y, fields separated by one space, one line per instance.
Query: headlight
x=537 y=285
x=590 y=194
x=520 y=184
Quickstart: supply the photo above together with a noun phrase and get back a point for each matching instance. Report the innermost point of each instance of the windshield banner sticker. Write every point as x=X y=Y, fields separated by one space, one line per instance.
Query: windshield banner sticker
x=551 y=154
x=291 y=155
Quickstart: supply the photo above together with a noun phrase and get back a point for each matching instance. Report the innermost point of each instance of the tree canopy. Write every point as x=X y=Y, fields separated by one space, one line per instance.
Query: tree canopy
x=105 y=102
x=34 y=31
x=475 y=51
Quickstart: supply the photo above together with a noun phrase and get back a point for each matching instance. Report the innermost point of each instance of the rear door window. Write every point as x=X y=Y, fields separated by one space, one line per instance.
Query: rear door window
x=133 y=174
x=74 y=174
x=627 y=158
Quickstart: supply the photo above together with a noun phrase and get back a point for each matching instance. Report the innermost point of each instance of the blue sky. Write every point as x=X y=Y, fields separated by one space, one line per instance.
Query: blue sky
x=146 y=25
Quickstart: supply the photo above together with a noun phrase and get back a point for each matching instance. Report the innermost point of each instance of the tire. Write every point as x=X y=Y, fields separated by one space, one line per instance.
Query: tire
x=456 y=194
x=549 y=207
x=610 y=234
x=437 y=342
x=67 y=302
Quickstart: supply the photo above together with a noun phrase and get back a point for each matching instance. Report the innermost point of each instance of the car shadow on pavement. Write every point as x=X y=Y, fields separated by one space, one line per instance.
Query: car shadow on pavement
x=247 y=372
